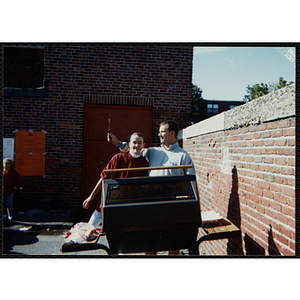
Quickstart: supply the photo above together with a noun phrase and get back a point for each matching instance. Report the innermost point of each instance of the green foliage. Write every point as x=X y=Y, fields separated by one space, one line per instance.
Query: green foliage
x=198 y=105
x=258 y=90
x=273 y=86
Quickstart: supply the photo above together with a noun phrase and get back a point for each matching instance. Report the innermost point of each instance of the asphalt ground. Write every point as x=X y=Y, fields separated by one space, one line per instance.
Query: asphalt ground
x=36 y=240
x=37 y=233
x=23 y=240
x=40 y=233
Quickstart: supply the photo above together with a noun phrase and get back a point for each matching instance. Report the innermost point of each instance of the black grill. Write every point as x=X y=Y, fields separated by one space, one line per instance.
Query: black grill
x=151 y=213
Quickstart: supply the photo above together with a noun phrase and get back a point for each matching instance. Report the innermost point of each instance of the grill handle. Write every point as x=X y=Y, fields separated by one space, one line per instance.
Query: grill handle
x=113 y=171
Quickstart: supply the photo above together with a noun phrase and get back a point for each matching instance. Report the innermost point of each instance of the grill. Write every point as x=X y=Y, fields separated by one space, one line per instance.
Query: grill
x=150 y=213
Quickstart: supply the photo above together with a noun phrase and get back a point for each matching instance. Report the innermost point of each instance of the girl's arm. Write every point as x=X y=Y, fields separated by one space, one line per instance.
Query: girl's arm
x=95 y=191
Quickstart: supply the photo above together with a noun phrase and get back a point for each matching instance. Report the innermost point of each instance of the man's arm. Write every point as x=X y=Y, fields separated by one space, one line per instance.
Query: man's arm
x=122 y=145
x=188 y=161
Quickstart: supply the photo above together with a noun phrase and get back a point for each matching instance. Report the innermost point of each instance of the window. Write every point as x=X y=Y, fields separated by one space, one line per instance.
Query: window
x=212 y=108
x=215 y=108
x=23 y=67
x=209 y=108
x=232 y=106
x=24 y=72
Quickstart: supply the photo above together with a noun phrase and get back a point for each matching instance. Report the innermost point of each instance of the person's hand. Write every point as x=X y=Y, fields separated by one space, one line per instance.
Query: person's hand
x=112 y=139
x=86 y=202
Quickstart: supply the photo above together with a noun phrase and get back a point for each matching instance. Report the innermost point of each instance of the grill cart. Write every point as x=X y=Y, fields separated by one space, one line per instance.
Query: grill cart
x=149 y=214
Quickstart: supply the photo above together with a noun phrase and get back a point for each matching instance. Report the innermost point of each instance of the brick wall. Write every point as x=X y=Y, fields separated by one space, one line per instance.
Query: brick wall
x=160 y=73
x=155 y=75
x=245 y=164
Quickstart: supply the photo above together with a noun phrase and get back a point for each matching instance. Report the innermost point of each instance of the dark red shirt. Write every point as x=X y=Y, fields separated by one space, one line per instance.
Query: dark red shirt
x=122 y=161
x=11 y=178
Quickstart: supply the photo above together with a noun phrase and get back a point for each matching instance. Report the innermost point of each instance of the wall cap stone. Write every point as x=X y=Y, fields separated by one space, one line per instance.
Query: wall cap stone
x=273 y=106
x=212 y=124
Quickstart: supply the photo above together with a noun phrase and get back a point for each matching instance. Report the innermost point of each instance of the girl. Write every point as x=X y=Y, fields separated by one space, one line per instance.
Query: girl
x=11 y=182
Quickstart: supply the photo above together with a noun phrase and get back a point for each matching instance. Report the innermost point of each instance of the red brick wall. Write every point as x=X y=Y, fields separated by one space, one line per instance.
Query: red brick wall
x=161 y=73
x=143 y=74
x=248 y=176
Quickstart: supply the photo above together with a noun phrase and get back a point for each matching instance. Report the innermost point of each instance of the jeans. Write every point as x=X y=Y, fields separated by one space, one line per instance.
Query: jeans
x=96 y=219
x=8 y=204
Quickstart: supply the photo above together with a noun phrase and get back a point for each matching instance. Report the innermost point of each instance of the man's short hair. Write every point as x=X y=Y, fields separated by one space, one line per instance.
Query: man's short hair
x=126 y=149
x=137 y=134
x=172 y=126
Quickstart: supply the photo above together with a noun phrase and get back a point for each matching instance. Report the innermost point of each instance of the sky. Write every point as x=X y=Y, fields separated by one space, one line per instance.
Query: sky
x=223 y=73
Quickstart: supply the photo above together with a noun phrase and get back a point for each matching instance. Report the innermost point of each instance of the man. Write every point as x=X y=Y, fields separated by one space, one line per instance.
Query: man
x=168 y=154
x=129 y=158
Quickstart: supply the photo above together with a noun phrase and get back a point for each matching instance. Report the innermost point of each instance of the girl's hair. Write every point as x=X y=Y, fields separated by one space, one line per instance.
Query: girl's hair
x=129 y=138
x=8 y=160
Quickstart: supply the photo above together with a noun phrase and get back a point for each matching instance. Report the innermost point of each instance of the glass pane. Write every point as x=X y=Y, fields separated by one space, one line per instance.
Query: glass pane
x=209 y=108
x=165 y=191
x=216 y=108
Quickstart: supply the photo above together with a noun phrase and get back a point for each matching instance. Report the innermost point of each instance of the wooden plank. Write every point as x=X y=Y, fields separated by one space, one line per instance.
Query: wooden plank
x=184 y=167
x=210 y=230
x=215 y=223
x=220 y=226
x=220 y=229
x=232 y=227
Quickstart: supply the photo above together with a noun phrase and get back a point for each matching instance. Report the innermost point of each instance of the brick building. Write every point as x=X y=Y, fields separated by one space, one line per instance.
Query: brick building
x=214 y=107
x=68 y=91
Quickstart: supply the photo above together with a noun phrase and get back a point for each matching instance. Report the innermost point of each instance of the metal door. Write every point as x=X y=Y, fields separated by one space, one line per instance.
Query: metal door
x=97 y=151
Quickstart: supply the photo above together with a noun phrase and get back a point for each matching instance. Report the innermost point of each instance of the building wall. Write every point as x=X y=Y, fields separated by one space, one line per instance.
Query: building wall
x=143 y=75
x=245 y=164
x=222 y=106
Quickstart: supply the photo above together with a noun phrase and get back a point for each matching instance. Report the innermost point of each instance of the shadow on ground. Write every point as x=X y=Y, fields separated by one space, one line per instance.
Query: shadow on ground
x=14 y=237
